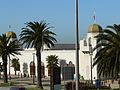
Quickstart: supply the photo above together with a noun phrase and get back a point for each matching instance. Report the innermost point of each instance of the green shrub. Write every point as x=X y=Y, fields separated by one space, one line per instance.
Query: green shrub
x=5 y=84
x=116 y=89
x=83 y=86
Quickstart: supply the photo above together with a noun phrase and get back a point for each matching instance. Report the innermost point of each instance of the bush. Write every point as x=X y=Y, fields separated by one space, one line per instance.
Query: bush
x=6 y=84
x=82 y=86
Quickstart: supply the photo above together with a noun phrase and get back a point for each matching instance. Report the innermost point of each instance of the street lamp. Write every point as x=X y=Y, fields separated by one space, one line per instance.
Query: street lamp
x=33 y=68
x=77 y=48
x=90 y=52
x=9 y=69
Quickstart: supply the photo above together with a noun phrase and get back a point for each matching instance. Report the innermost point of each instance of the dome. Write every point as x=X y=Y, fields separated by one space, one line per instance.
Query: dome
x=11 y=34
x=94 y=28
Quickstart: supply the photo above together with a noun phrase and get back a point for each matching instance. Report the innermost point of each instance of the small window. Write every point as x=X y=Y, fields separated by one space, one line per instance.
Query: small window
x=85 y=43
x=89 y=40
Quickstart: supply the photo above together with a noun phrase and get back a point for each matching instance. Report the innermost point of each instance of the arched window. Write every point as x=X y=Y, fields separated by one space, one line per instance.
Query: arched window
x=85 y=43
x=89 y=40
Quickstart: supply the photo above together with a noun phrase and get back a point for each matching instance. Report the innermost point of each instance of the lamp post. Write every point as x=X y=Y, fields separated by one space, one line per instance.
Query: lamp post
x=77 y=48
x=33 y=68
x=91 y=53
x=9 y=57
x=9 y=69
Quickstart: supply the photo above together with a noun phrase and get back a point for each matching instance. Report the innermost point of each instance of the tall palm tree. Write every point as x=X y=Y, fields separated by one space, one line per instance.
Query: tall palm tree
x=8 y=47
x=16 y=64
x=35 y=35
x=107 y=58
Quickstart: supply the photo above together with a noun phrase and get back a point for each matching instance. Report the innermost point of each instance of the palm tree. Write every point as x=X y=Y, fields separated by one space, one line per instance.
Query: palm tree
x=36 y=34
x=8 y=47
x=16 y=64
x=107 y=58
x=52 y=61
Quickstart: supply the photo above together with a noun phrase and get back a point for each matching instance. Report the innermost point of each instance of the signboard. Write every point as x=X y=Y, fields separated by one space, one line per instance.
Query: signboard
x=56 y=76
x=68 y=73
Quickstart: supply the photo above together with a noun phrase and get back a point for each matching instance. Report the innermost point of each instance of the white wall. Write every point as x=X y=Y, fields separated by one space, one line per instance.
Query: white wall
x=68 y=55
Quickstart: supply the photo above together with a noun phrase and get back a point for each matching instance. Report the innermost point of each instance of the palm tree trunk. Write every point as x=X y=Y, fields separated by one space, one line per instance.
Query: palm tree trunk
x=15 y=72
x=39 y=81
x=51 y=78
x=5 y=74
x=15 y=68
x=4 y=58
x=119 y=83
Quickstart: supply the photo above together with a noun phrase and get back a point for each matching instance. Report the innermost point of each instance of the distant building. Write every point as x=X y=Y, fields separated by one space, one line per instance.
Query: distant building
x=66 y=53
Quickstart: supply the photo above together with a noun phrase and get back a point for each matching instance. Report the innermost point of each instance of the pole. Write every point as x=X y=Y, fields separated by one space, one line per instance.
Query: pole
x=9 y=69
x=91 y=53
x=1 y=69
x=91 y=68
x=64 y=76
x=9 y=58
x=33 y=68
x=77 y=49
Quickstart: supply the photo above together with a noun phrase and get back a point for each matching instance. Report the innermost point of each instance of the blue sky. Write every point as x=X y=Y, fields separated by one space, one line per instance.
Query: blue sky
x=60 y=14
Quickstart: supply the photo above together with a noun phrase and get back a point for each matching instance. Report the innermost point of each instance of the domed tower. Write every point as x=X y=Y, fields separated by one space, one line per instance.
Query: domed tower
x=94 y=28
x=11 y=34
x=93 y=31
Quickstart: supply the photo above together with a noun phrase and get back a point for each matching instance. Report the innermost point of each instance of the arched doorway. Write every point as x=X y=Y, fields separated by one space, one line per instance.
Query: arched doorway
x=32 y=68
x=42 y=70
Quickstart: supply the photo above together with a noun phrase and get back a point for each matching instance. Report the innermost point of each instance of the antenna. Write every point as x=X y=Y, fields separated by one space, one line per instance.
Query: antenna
x=9 y=26
x=94 y=16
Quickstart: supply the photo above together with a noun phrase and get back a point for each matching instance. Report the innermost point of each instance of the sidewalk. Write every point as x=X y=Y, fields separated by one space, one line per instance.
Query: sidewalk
x=27 y=82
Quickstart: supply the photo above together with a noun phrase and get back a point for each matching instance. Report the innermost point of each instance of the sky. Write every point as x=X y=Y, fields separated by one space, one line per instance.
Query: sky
x=60 y=14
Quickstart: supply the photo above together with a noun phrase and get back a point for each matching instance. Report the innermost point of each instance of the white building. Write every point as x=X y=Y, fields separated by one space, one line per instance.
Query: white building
x=66 y=52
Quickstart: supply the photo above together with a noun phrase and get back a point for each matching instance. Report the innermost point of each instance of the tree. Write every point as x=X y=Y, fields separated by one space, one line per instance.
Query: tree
x=52 y=61
x=36 y=35
x=8 y=47
x=107 y=57
x=16 y=64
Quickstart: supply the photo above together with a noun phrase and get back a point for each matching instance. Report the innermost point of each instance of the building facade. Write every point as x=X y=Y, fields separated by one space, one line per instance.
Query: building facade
x=66 y=53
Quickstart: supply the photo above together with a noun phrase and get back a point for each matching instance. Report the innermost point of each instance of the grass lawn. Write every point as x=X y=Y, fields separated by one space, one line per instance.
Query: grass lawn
x=6 y=84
